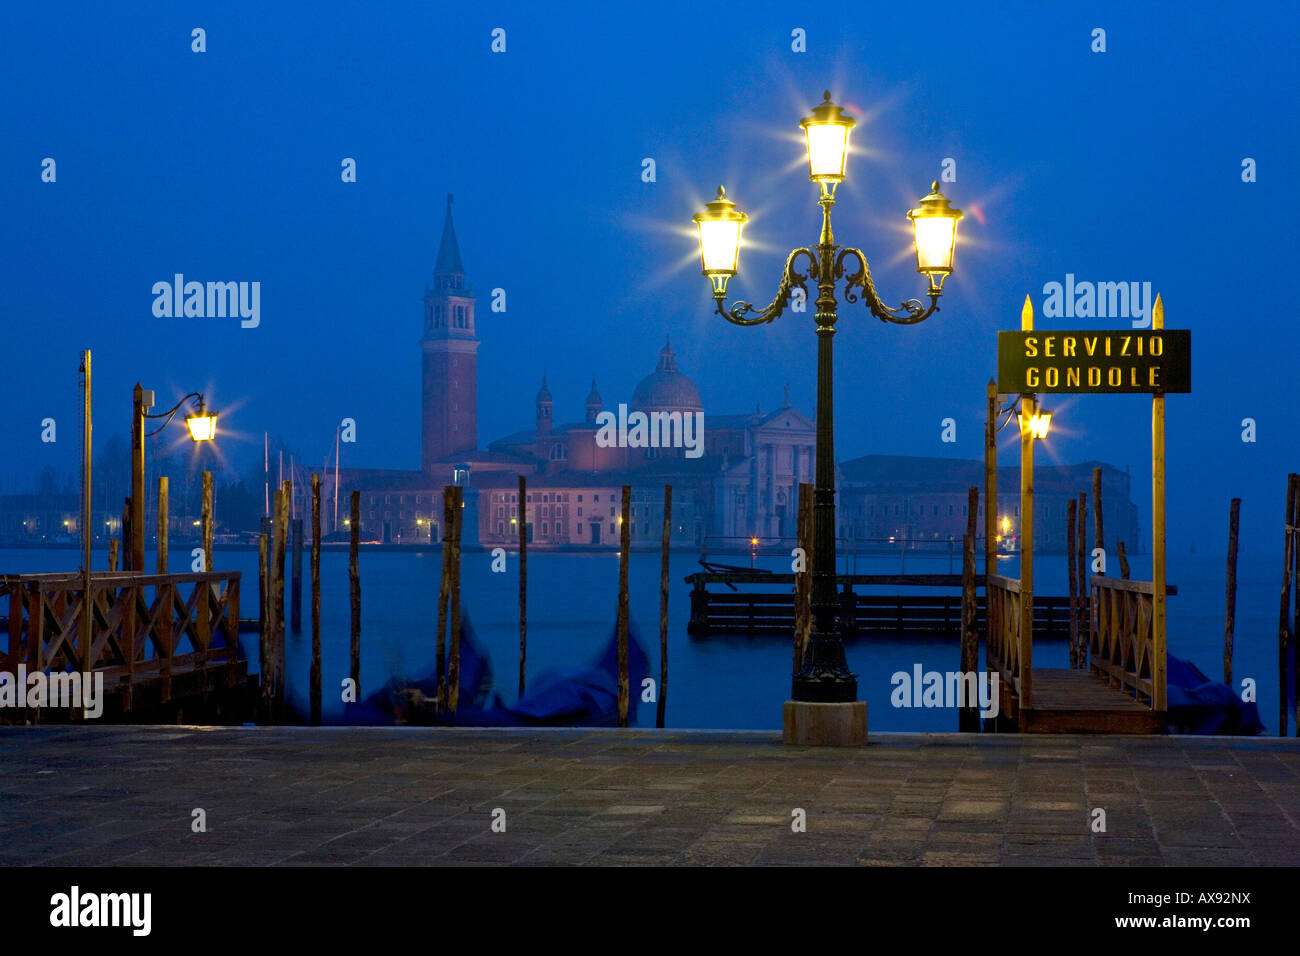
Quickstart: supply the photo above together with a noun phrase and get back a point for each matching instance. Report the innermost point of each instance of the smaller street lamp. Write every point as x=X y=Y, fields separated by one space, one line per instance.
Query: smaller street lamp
x=1038 y=423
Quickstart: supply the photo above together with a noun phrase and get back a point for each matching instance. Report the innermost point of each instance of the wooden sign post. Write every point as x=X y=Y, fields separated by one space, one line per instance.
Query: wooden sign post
x=1155 y=361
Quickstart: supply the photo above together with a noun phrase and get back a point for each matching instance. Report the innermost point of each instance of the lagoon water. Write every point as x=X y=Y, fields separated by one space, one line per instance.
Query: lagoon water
x=714 y=683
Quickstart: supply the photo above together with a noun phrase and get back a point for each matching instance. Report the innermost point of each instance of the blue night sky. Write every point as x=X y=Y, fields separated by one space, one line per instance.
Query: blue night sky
x=225 y=165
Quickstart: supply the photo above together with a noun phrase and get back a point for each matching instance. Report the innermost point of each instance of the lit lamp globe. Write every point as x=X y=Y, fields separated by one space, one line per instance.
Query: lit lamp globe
x=1038 y=424
x=935 y=226
x=202 y=424
x=720 y=225
x=827 y=134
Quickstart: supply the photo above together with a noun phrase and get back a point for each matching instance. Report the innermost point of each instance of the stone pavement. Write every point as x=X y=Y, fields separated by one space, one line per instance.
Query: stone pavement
x=125 y=795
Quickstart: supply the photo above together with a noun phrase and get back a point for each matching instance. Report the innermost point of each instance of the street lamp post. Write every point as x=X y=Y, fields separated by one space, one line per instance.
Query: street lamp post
x=825 y=677
x=202 y=426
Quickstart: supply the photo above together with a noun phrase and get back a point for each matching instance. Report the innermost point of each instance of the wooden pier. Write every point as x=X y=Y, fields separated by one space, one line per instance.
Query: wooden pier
x=166 y=644
x=771 y=610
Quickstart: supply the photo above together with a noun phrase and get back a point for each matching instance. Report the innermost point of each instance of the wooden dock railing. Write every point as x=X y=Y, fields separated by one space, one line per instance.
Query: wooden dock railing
x=1122 y=643
x=149 y=632
x=1008 y=652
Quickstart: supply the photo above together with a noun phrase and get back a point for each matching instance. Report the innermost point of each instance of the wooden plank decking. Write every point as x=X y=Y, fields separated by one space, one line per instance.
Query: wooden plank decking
x=1079 y=702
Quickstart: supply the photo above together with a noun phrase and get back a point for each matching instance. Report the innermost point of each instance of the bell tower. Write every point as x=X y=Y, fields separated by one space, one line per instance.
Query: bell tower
x=450 y=366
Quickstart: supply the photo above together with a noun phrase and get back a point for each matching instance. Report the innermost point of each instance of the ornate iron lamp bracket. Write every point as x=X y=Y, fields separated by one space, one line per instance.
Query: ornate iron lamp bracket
x=908 y=313
x=790 y=279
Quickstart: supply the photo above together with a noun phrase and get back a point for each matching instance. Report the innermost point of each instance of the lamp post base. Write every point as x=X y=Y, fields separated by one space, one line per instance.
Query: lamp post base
x=808 y=724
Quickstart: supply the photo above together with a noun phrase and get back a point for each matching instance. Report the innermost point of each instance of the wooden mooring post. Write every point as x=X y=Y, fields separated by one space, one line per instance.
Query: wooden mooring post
x=205 y=521
x=661 y=704
x=314 y=678
x=523 y=585
x=126 y=535
x=1098 y=534
x=453 y=664
x=1284 y=622
x=1071 y=532
x=969 y=717
x=354 y=593
x=1085 y=598
x=625 y=544
x=444 y=593
x=162 y=524
x=1123 y=560
x=279 y=537
x=295 y=593
x=1230 y=599
x=113 y=544
x=264 y=619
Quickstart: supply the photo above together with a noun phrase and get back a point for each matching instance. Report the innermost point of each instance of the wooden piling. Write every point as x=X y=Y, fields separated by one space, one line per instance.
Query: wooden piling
x=1123 y=560
x=279 y=538
x=968 y=720
x=1230 y=599
x=112 y=554
x=1085 y=594
x=126 y=535
x=444 y=593
x=1071 y=515
x=264 y=620
x=315 y=677
x=295 y=584
x=206 y=519
x=523 y=583
x=990 y=497
x=1100 y=537
x=803 y=582
x=354 y=589
x=1284 y=623
x=625 y=545
x=162 y=524
x=663 y=606
x=1295 y=593
x=453 y=664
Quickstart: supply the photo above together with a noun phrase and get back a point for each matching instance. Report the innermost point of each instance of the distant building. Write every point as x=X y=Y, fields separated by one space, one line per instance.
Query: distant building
x=889 y=498
x=739 y=480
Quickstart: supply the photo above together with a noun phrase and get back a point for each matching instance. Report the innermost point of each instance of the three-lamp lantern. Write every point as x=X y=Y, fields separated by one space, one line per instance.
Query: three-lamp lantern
x=826 y=135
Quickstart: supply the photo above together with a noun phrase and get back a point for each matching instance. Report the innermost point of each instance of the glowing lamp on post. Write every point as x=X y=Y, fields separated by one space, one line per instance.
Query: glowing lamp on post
x=202 y=424
x=1038 y=424
x=934 y=223
x=720 y=225
x=826 y=133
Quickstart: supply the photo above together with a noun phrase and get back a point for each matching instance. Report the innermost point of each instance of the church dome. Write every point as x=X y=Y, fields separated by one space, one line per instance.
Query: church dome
x=666 y=389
